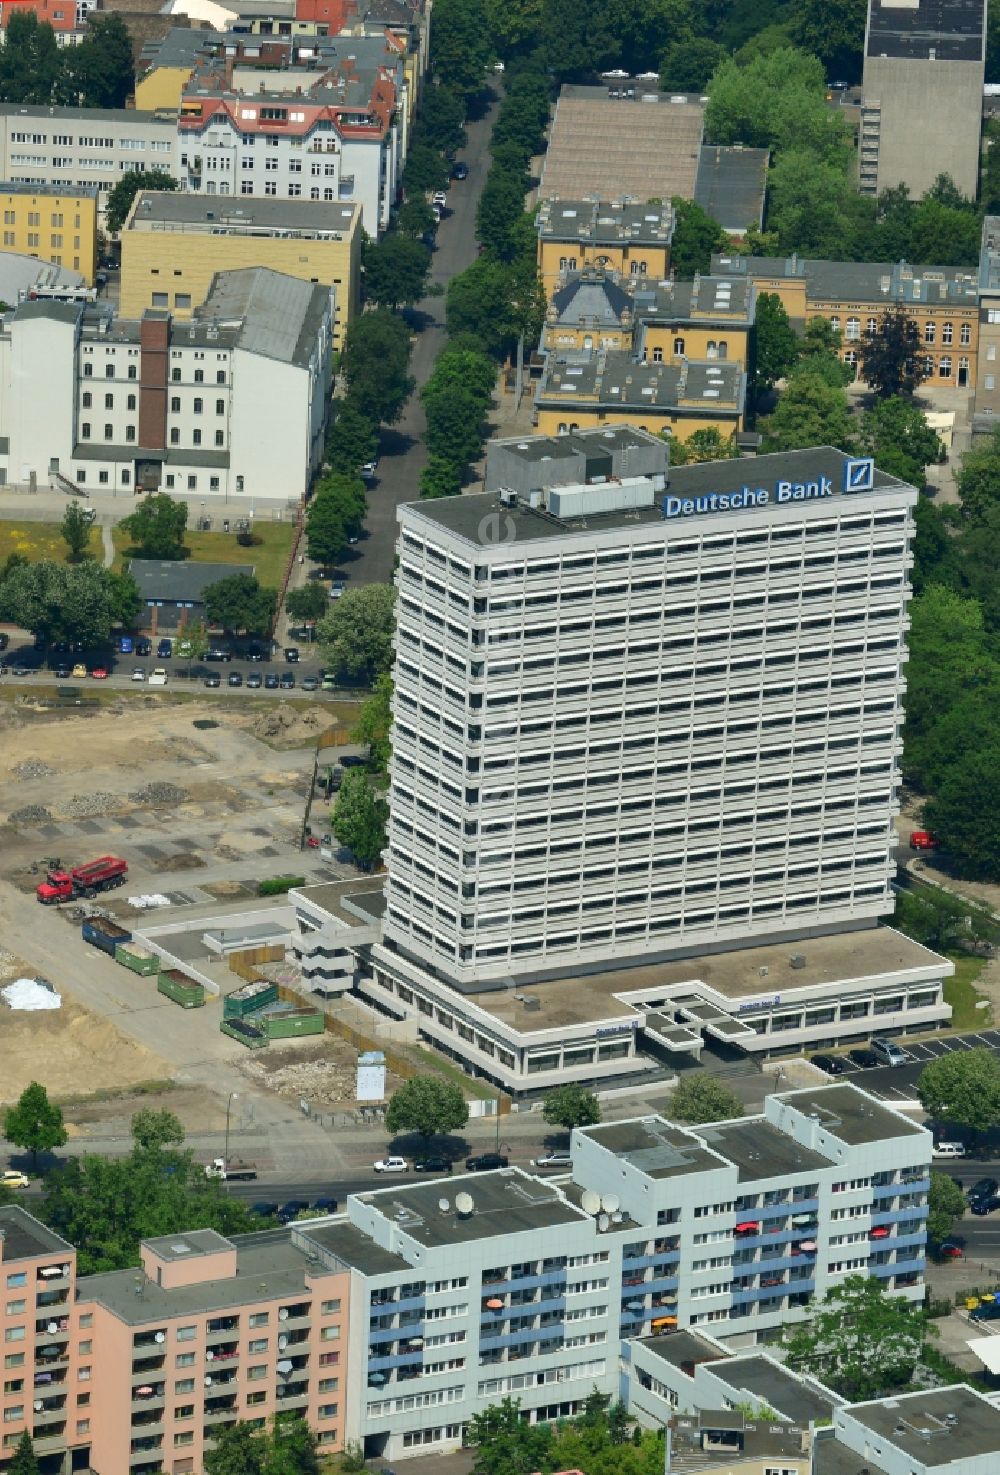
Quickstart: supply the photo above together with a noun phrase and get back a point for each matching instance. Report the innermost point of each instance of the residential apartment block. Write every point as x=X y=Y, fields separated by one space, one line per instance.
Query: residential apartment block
x=173 y=245
x=394 y=1322
x=923 y=60
x=141 y=404
x=52 y=224
x=83 y=148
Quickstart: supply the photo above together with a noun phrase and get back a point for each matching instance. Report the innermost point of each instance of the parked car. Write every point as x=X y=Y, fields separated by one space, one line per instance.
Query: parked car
x=165 y=649
x=264 y=1209
x=338 y=590
x=291 y=653
x=218 y=653
x=325 y=1205
x=79 y=672
x=138 y=673
x=439 y=197
x=459 y=171
x=922 y=840
x=864 y=1059
x=5 y=641
x=553 y=1160
x=983 y=1188
x=63 y=673
x=889 y=1053
x=125 y=645
x=368 y=470
x=432 y=1165
x=254 y=679
x=236 y=678
x=391 y=1165
x=286 y=680
x=829 y=1063
x=99 y=673
x=11 y=1178
x=271 y=681
x=948 y=1149
x=310 y=683
x=484 y=1162
x=256 y=651
x=288 y=1211
x=143 y=647
x=988 y=1204
x=950 y=1250
x=213 y=679
x=158 y=677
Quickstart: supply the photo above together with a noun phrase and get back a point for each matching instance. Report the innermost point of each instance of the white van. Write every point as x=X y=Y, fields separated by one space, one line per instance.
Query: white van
x=949 y=1149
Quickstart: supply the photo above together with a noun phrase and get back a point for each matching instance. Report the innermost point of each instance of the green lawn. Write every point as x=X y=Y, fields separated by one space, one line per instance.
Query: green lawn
x=40 y=540
x=269 y=556
x=960 y=993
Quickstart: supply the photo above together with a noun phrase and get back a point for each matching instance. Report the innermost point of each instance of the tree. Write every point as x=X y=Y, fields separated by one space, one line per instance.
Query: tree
x=309 y=603
x=352 y=441
x=75 y=530
x=76 y=602
x=896 y=433
x=696 y=236
x=35 y=1122
x=428 y=1105
x=501 y=206
x=946 y=1203
x=703 y=445
x=238 y=602
x=336 y=514
x=359 y=818
x=374 y=722
x=454 y=424
x=833 y=30
x=440 y=478
x=239 y=1450
x=494 y=301
x=415 y=217
x=442 y=119
x=122 y=194
x=979 y=478
x=376 y=360
x=506 y=1444
x=426 y=169
x=155 y=1129
x=196 y=638
x=157 y=526
x=25 y=1461
x=571 y=1106
x=964 y=813
x=98 y=73
x=777 y=345
x=460 y=46
x=702 y=1098
x=860 y=1341
x=356 y=635
x=396 y=270
x=813 y=205
x=777 y=100
x=688 y=63
x=892 y=357
x=962 y=1088
x=30 y=61
x=809 y=413
x=942 y=920
x=291 y=1448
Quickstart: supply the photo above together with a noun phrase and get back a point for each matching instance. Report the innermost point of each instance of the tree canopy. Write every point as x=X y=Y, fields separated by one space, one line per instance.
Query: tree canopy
x=308 y=603
x=121 y=195
x=396 y=269
x=896 y=433
x=35 y=1122
x=356 y=636
x=571 y=1106
x=239 y=603
x=859 y=1340
x=427 y=1105
x=700 y=1097
x=777 y=345
x=892 y=357
x=80 y=602
x=359 y=818
x=288 y=1447
x=946 y=1203
x=962 y=1088
x=696 y=238
x=376 y=365
x=157 y=526
x=75 y=530
x=335 y=515
x=810 y=412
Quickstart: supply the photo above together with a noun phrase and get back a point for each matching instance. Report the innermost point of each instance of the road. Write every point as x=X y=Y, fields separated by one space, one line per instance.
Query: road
x=404 y=454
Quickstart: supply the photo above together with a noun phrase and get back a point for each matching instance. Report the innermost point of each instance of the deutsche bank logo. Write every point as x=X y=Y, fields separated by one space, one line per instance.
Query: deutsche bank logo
x=859 y=476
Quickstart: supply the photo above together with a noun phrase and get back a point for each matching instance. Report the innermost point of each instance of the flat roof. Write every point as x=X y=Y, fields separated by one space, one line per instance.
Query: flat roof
x=682 y=1348
x=758 y=1149
x=66 y=190
x=646 y=146
x=507 y=1201
x=798 y=1399
x=918 y=30
x=465 y=516
x=130 y=116
x=612 y=379
x=191 y=1242
x=608 y=221
x=353 y=1249
x=345 y=900
x=839 y=957
x=831 y=1457
x=25 y=1238
x=730 y=185
x=268 y=1267
x=180 y=579
x=936 y=1427
x=164 y=209
x=656 y=1147
x=849 y=1113
x=857 y=281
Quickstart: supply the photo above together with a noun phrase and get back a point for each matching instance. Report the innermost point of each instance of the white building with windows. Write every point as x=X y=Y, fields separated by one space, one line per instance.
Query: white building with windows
x=78 y=147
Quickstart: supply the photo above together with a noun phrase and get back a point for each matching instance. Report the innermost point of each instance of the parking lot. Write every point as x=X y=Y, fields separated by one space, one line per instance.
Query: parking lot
x=899 y=1082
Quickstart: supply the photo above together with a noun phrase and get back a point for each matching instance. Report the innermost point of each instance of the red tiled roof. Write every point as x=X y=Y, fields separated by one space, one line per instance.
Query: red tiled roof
x=59 y=14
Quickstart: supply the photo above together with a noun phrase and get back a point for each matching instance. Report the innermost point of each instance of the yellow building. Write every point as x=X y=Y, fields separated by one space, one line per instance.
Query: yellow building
x=854 y=296
x=173 y=244
x=612 y=388
x=52 y=223
x=633 y=240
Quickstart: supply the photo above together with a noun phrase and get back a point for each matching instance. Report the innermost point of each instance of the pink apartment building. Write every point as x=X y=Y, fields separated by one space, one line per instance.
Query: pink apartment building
x=153 y=1361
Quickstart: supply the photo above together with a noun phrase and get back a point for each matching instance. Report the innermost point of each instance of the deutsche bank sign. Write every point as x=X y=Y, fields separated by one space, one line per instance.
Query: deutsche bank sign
x=858 y=476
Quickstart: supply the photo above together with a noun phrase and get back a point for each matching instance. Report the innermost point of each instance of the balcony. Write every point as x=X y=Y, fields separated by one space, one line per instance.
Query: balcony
x=224 y=1352
x=49 y=1300
x=149 y=1339
x=142 y=1366
x=148 y=1395
x=219 y=1408
x=53 y=1327
x=147 y=1420
x=144 y=1445
x=293 y=1393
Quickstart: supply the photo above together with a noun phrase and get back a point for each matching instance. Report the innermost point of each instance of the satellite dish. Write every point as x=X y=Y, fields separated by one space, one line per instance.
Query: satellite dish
x=444 y=1205
x=603 y=1222
x=465 y=1203
x=161 y=1337
x=282 y=1341
x=209 y=1355
x=590 y=1201
x=208 y=1381
x=610 y=1202
x=283 y=1314
x=617 y=1216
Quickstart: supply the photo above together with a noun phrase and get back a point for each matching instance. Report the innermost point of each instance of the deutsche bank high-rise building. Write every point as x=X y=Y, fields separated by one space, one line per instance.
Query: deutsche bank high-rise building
x=643 y=712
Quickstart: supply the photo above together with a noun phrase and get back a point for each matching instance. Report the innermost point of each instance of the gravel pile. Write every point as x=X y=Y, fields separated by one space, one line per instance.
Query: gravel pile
x=93 y=806
x=159 y=794
x=32 y=768
x=31 y=814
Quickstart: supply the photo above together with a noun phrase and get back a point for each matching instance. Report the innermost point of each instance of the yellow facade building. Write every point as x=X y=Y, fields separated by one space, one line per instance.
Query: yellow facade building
x=173 y=244
x=633 y=240
x=53 y=224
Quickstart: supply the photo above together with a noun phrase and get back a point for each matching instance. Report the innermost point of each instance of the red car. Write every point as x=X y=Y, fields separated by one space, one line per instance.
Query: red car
x=922 y=840
x=951 y=1251
x=99 y=674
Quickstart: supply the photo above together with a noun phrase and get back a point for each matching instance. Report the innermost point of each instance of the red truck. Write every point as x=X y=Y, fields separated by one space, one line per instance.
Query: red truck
x=88 y=880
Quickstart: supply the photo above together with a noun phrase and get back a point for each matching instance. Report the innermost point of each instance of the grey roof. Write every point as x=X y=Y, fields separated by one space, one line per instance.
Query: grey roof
x=798 y=1399
x=935 y=1428
x=612 y=379
x=182 y=578
x=280 y=315
x=608 y=146
x=181 y=46
x=831 y=1457
x=591 y=297
x=192 y=1242
x=941 y=30
x=759 y=1150
x=129 y=116
x=24 y=1238
x=848 y=1112
x=354 y=1250
x=706 y=299
x=611 y=220
x=731 y=184
x=507 y=1201
x=683 y=1349
x=656 y=1147
x=466 y=517
x=60 y=312
x=9 y=187
x=245 y=215
x=858 y=281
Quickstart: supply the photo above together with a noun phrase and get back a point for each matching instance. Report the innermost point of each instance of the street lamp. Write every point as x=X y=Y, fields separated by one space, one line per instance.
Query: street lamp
x=233 y=1096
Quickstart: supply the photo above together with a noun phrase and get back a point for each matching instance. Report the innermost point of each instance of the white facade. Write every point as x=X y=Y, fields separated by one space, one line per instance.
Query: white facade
x=82 y=146
x=637 y=733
